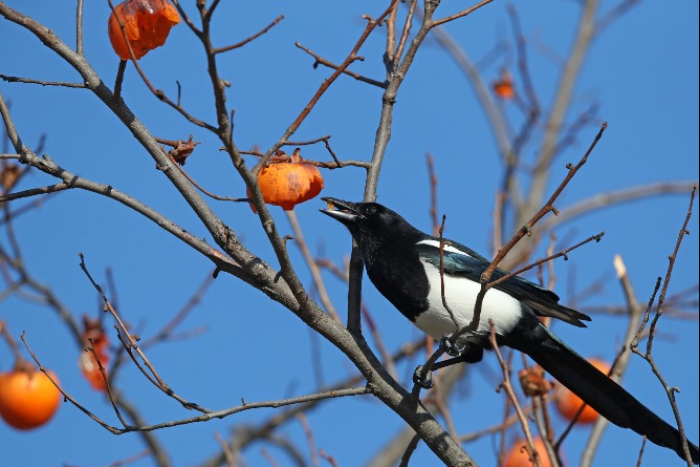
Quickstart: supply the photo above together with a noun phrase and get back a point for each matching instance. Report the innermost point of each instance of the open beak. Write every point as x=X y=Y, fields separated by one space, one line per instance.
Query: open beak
x=343 y=211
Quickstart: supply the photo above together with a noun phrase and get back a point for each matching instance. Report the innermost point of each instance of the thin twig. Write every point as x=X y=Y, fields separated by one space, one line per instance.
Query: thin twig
x=432 y=178
x=352 y=56
x=103 y=372
x=309 y=439
x=131 y=459
x=205 y=191
x=17 y=79
x=405 y=33
x=647 y=355
x=331 y=460
x=410 y=449
x=534 y=106
x=532 y=452
x=614 y=14
x=79 y=28
x=130 y=343
x=460 y=14
x=547 y=259
x=67 y=396
x=44 y=190
x=522 y=232
x=327 y=63
x=313 y=267
x=226 y=449
x=442 y=274
x=240 y=44
x=641 y=451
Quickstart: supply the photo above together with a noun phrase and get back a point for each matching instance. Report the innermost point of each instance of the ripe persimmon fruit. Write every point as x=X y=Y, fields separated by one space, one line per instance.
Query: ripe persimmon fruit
x=28 y=398
x=147 y=24
x=517 y=455
x=504 y=87
x=288 y=181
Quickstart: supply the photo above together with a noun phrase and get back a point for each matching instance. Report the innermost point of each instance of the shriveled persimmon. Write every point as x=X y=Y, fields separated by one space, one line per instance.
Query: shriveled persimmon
x=568 y=403
x=28 y=399
x=517 y=455
x=147 y=24
x=288 y=181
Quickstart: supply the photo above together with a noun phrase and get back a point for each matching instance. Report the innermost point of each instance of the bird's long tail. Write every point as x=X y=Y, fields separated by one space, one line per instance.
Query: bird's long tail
x=603 y=394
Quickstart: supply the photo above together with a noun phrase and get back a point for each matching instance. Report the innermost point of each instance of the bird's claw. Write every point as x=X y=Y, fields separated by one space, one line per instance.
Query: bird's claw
x=423 y=378
x=452 y=349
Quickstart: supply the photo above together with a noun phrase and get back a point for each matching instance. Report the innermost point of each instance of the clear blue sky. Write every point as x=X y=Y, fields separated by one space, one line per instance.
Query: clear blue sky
x=642 y=71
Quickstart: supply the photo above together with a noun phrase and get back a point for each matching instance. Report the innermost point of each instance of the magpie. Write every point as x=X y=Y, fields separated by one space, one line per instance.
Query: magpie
x=403 y=263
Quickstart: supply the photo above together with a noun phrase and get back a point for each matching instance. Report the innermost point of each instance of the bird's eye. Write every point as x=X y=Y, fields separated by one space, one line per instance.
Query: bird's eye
x=370 y=210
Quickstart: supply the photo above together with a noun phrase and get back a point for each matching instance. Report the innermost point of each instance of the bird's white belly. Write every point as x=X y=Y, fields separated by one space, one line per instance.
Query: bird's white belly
x=460 y=295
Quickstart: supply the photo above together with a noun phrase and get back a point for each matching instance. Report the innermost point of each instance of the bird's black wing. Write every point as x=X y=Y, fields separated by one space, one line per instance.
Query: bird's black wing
x=471 y=265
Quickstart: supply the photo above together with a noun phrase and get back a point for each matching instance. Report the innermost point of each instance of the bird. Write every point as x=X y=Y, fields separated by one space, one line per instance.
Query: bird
x=404 y=265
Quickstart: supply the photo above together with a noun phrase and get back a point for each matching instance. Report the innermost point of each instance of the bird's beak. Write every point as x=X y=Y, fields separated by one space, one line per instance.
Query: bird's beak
x=343 y=211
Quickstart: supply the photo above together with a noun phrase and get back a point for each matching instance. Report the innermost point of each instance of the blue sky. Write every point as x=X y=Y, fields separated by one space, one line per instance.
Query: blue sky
x=642 y=72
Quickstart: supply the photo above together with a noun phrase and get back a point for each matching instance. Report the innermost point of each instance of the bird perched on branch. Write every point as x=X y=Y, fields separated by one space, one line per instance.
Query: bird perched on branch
x=404 y=264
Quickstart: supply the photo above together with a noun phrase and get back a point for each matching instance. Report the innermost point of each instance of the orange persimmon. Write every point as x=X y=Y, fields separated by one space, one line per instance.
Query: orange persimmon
x=90 y=369
x=28 y=398
x=568 y=403
x=288 y=181
x=504 y=87
x=147 y=24
x=95 y=337
x=517 y=455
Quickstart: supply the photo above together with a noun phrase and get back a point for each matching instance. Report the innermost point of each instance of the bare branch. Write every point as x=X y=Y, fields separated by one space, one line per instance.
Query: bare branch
x=79 y=28
x=322 y=61
x=352 y=56
x=562 y=99
x=240 y=44
x=647 y=355
x=546 y=259
x=461 y=14
x=532 y=452
x=605 y=200
x=130 y=343
x=44 y=190
x=17 y=79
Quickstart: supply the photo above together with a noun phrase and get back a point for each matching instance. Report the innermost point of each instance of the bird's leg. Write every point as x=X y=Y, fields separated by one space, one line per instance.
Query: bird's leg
x=424 y=381
x=453 y=349
x=470 y=353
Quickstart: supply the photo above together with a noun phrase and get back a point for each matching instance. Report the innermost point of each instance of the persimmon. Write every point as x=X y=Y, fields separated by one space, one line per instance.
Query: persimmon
x=504 y=87
x=28 y=399
x=288 y=181
x=95 y=337
x=533 y=381
x=90 y=369
x=147 y=24
x=568 y=403
x=517 y=455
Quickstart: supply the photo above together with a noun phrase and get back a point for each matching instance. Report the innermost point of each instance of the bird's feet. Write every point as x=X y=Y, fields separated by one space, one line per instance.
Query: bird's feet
x=453 y=349
x=423 y=378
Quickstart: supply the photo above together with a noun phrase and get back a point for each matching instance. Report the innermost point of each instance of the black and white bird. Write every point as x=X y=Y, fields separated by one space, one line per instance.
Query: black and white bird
x=403 y=263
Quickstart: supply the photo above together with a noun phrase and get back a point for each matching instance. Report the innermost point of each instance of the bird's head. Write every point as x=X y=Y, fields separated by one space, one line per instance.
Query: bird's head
x=369 y=223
